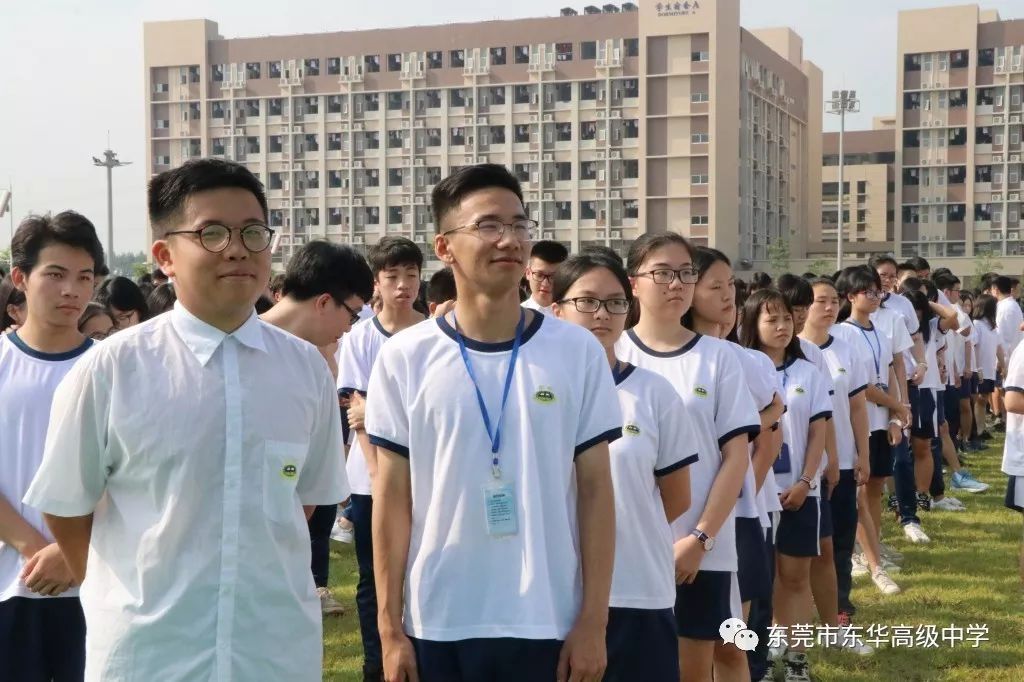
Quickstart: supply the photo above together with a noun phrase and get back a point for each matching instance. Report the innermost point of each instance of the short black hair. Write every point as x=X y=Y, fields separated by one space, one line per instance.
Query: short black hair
x=985 y=282
x=263 y=304
x=322 y=267
x=796 y=290
x=759 y=280
x=441 y=286
x=161 y=299
x=159 y=277
x=580 y=264
x=941 y=271
x=170 y=190
x=123 y=294
x=808 y=275
x=450 y=192
x=391 y=252
x=1003 y=284
x=903 y=267
x=549 y=251
x=881 y=259
x=919 y=263
x=276 y=283
x=945 y=280
x=9 y=295
x=69 y=228
x=913 y=283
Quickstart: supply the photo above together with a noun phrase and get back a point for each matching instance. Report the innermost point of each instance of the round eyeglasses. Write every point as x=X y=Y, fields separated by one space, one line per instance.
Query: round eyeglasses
x=492 y=230
x=588 y=304
x=216 y=237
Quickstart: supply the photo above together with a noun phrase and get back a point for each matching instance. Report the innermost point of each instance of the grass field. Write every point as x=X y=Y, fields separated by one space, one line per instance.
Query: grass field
x=966 y=576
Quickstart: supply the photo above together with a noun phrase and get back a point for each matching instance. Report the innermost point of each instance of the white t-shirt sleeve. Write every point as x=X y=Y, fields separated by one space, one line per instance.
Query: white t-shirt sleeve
x=387 y=414
x=901 y=340
x=600 y=418
x=821 y=405
x=353 y=369
x=674 y=433
x=860 y=376
x=323 y=479
x=76 y=461
x=735 y=412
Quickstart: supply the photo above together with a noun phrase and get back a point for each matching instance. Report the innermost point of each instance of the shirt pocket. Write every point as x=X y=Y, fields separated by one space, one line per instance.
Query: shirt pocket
x=281 y=470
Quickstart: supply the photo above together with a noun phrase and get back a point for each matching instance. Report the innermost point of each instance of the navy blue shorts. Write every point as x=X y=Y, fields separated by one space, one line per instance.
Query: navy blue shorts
x=703 y=605
x=504 y=659
x=940 y=409
x=1015 y=493
x=754 y=573
x=986 y=386
x=642 y=645
x=923 y=411
x=825 y=525
x=798 y=531
x=42 y=639
x=880 y=454
x=964 y=392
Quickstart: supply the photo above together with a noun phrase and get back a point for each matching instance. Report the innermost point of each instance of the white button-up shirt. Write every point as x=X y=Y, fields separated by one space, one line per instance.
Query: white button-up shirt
x=196 y=450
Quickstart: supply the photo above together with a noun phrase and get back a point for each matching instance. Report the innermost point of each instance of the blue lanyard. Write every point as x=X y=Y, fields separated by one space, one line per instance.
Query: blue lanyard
x=876 y=356
x=494 y=437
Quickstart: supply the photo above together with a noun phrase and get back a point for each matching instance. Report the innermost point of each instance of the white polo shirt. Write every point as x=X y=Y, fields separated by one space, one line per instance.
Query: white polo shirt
x=195 y=451
x=653 y=444
x=28 y=379
x=1008 y=321
x=807 y=401
x=462 y=582
x=988 y=345
x=849 y=377
x=1013 y=450
x=760 y=381
x=708 y=377
x=531 y=304
x=875 y=350
x=902 y=305
x=359 y=350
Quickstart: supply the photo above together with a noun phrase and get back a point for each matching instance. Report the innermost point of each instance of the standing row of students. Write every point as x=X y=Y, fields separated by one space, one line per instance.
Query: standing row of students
x=736 y=447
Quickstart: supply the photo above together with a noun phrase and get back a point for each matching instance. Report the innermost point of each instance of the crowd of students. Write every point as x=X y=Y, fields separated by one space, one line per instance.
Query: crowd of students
x=552 y=465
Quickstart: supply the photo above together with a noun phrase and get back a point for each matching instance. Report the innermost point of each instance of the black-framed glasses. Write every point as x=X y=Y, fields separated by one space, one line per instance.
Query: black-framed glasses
x=492 y=230
x=873 y=294
x=540 y=277
x=589 y=304
x=215 y=237
x=686 y=275
x=353 y=313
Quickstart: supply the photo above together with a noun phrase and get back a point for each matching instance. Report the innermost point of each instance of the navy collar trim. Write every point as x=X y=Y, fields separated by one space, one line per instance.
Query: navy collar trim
x=498 y=347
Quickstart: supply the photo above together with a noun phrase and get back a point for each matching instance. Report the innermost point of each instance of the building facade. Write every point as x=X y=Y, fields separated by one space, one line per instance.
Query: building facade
x=959 y=125
x=617 y=120
x=869 y=187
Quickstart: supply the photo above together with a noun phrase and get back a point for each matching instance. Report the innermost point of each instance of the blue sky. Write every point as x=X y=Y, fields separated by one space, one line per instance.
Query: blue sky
x=72 y=70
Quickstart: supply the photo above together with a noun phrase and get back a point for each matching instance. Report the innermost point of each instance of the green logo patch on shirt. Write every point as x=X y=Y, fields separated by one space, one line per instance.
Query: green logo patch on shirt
x=544 y=395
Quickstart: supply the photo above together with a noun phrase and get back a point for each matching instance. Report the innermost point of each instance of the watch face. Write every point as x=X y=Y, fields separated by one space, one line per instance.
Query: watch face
x=709 y=544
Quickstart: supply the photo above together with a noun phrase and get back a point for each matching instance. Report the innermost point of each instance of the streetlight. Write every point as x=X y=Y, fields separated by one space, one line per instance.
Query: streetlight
x=842 y=101
x=110 y=162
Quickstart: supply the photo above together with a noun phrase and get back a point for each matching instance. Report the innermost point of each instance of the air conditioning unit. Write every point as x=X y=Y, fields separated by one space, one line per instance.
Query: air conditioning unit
x=1014 y=197
x=615 y=194
x=548 y=196
x=997 y=118
x=548 y=118
x=533 y=118
x=357 y=239
x=1014 y=157
x=1014 y=236
x=481 y=120
x=1015 y=119
x=420 y=162
x=549 y=157
x=420 y=239
x=616 y=234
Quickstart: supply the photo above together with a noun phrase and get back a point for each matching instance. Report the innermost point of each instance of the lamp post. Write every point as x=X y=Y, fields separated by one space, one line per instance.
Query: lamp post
x=842 y=101
x=110 y=162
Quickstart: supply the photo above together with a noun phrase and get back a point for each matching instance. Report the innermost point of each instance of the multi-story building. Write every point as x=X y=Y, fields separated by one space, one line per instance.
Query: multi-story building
x=617 y=120
x=869 y=185
x=959 y=125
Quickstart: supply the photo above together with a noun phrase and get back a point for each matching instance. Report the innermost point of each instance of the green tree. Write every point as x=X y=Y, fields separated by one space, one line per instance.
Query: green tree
x=778 y=256
x=986 y=260
x=5 y=259
x=822 y=266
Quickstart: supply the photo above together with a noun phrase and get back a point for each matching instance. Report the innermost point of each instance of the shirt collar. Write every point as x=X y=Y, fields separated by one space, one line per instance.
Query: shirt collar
x=203 y=339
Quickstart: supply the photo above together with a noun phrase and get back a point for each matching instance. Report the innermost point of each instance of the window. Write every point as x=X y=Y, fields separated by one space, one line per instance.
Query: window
x=275 y=106
x=275 y=144
x=497 y=95
x=862 y=187
x=457 y=59
x=498 y=56
x=333 y=66
x=371 y=63
x=522 y=54
x=588 y=90
x=217 y=110
x=311 y=105
x=698 y=179
x=588 y=170
x=372 y=177
x=986 y=57
x=252 y=70
x=497 y=134
x=395 y=177
x=521 y=133
x=563 y=210
x=370 y=101
x=911 y=177
x=563 y=92
x=395 y=139
x=631 y=126
x=699 y=138
x=563 y=171
x=912 y=62
x=312 y=180
x=957 y=98
x=698 y=220
x=457 y=97
x=394 y=215
x=1015 y=97
x=958 y=59
x=563 y=132
x=433 y=137
x=334 y=216
x=193 y=74
x=1014 y=176
x=700 y=56
x=160 y=87
x=997 y=139
x=631 y=168
x=956 y=175
x=312 y=67
x=372 y=214
x=1015 y=138
x=337 y=104
x=522 y=94
x=588 y=210
x=632 y=47
x=395 y=61
x=252 y=145
x=433 y=175
x=588 y=130
x=395 y=100
x=983 y=173
x=276 y=181
x=631 y=208
x=218 y=146
x=631 y=87
x=588 y=50
x=563 y=52
x=698 y=97
x=274 y=68
x=957 y=137
x=434 y=59
x=334 y=142
x=217 y=73
x=458 y=136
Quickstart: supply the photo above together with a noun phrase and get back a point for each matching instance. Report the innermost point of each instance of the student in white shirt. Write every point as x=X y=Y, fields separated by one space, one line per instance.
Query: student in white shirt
x=991 y=355
x=42 y=629
x=1008 y=314
x=768 y=326
x=713 y=313
x=889 y=278
x=441 y=293
x=650 y=472
x=544 y=259
x=1013 y=450
x=396 y=264
x=493 y=493
x=193 y=523
x=705 y=372
x=322 y=291
x=971 y=442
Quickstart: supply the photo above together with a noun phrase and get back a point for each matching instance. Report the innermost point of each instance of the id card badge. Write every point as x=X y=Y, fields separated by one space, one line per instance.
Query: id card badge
x=782 y=464
x=500 y=508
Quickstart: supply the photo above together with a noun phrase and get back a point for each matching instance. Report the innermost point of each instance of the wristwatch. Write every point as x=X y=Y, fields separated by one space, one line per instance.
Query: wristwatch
x=811 y=483
x=706 y=541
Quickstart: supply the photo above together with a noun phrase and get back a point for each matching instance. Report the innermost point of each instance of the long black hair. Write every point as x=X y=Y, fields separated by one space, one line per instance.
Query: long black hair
x=758 y=301
x=703 y=258
x=919 y=300
x=9 y=295
x=123 y=294
x=985 y=309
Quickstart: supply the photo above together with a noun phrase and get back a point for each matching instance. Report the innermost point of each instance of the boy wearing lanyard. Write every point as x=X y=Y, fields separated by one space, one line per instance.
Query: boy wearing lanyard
x=493 y=480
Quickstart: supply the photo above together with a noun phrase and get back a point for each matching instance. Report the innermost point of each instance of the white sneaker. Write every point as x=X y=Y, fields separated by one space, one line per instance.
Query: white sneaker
x=947 y=504
x=854 y=643
x=890 y=553
x=343 y=533
x=915 y=534
x=328 y=605
x=884 y=583
x=860 y=566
